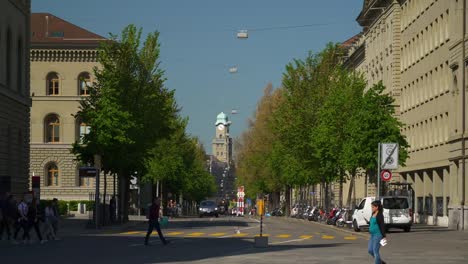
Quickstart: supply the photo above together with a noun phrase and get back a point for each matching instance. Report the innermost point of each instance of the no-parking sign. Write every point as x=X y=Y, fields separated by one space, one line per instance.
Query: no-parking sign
x=386 y=175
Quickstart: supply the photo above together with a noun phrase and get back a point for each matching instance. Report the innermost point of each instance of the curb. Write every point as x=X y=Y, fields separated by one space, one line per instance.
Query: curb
x=289 y=219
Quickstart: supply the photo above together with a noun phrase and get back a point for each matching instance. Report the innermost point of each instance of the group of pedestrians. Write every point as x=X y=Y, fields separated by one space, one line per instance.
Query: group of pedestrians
x=26 y=215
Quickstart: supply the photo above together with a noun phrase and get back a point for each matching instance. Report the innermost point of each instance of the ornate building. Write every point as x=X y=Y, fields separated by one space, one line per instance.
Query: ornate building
x=222 y=143
x=14 y=95
x=415 y=48
x=63 y=56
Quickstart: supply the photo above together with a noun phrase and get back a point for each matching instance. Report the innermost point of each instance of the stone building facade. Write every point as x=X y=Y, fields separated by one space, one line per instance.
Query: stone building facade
x=14 y=96
x=424 y=76
x=63 y=56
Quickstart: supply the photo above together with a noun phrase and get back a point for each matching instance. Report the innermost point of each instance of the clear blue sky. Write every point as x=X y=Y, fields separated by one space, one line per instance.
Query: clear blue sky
x=198 y=42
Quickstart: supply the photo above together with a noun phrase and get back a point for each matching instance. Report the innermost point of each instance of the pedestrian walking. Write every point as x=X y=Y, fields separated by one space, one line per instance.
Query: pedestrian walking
x=49 y=218
x=153 y=221
x=54 y=218
x=34 y=219
x=112 y=208
x=22 y=222
x=377 y=231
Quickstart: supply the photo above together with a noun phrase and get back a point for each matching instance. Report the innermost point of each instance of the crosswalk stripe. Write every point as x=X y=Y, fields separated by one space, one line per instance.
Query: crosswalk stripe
x=217 y=234
x=327 y=237
x=175 y=233
x=350 y=238
x=306 y=237
x=283 y=236
x=195 y=234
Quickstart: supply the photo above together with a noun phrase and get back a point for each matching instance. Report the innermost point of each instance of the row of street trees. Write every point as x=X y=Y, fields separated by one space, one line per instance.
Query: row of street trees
x=322 y=126
x=135 y=122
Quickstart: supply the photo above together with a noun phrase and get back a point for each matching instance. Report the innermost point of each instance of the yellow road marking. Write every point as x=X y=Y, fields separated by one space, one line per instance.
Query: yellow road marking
x=241 y=235
x=174 y=233
x=218 y=234
x=196 y=234
x=132 y=232
x=328 y=237
x=283 y=236
x=350 y=238
x=306 y=237
x=265 y=235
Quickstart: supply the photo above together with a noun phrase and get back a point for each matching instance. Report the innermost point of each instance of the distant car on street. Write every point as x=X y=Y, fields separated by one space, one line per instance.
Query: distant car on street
x=208 y=208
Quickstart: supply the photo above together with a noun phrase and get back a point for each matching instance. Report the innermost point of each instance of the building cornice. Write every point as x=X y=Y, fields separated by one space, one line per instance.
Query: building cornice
x=24 y=6
x=54 y=98
x=63 y=55
x=50 y=146
x=371 y=11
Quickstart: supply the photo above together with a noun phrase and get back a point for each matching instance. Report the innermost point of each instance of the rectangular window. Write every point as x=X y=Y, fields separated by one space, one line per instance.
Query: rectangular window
x=428 y=205
x=57 y=34
x=440 y=206
x=420 y=205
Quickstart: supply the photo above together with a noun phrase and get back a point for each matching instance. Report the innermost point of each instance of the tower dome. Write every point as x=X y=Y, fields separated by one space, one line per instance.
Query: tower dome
x=222 y=118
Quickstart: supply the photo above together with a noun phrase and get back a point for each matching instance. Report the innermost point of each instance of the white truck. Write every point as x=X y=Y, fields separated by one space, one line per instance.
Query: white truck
x=397 y=213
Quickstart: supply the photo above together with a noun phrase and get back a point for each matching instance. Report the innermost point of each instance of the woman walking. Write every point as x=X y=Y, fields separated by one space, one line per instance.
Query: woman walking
x=377 y=231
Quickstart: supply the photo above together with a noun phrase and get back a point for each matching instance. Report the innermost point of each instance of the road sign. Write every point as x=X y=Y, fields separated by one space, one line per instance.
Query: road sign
x=386 y=175
x=389 y=156
x=87 y=172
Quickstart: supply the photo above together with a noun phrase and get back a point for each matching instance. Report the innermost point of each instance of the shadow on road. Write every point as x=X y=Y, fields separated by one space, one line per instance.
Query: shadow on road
x=112 y=249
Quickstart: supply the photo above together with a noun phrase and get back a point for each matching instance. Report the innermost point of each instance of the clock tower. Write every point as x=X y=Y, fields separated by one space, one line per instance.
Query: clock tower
x=222 y=143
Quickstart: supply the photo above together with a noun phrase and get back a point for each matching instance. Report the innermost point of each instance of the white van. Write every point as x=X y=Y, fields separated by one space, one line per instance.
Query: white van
x=397 y=213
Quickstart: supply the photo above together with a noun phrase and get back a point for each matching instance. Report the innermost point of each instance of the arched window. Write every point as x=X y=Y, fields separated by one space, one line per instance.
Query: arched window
x=53 y=84
x=84 y=82
x=52 y=172
x=52 y=129
x=81 y=129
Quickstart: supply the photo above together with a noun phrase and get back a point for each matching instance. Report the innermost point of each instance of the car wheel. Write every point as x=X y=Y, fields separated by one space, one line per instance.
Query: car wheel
x=407 y=229
x=356 y=227
x=201 y=216
x=216 y=215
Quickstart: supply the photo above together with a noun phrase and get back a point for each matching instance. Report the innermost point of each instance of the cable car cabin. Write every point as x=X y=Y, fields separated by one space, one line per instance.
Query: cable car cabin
x=233 y=70
x=242 y=34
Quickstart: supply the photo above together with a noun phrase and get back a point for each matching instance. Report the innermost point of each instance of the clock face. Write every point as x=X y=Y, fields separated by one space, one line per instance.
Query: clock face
x=220 y=126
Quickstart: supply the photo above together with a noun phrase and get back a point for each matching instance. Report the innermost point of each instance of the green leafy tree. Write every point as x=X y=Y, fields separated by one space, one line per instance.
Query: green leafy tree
x=128 y=109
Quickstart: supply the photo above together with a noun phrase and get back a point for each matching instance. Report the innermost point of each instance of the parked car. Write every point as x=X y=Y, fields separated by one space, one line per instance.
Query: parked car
x=397 y=213
x=208 y=208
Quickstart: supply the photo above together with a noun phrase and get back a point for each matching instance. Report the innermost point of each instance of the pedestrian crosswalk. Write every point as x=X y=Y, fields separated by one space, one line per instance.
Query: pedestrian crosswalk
x=194 y=234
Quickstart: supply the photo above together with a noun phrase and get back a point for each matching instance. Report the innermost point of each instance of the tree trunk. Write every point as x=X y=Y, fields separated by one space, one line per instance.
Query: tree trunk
x=341 y=189
x=288 y=201
x=124 y=197
x=104 y=199
x=327 y=198
x=351 y=187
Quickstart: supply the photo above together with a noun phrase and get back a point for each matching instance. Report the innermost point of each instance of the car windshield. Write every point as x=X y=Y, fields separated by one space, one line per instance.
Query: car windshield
x=207 y=203
x=395 y=203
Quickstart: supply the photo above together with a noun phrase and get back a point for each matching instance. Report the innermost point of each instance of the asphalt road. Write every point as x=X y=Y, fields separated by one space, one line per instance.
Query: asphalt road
x=230 y=240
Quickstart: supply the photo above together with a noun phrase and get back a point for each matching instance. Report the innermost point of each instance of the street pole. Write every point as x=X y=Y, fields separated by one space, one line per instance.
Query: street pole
x=378 y=170
x=97 y=165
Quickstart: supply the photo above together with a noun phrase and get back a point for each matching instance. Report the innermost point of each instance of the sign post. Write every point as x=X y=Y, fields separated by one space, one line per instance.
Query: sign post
x=387 y=160
x=240 y=200
x=261 y=241
x=97 y=164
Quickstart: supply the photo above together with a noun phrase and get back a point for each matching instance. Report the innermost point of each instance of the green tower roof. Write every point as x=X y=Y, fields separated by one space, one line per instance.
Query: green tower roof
x=222 y=118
